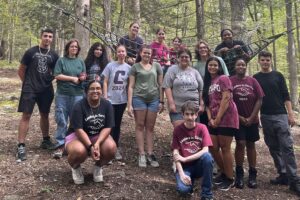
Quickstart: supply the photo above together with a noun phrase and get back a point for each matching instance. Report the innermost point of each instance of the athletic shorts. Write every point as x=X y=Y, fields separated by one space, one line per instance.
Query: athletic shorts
x=225 y=131
x=72 y=136
x=43 y=99
x=139 y=104
x=248 y=133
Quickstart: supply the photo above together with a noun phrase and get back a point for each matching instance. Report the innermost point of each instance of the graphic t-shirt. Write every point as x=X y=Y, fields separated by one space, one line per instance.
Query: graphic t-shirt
x=117 y=75
x=186 y=85
x=218 y=85
x=95 y=70
x=70 y=67
x=39 y=69
x=246 y=91
x=190 y=141
x=91 y=120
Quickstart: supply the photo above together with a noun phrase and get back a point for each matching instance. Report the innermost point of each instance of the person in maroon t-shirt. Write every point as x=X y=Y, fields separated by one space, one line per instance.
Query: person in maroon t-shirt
x=247 y=94
x=223 y=119
x=190 y=151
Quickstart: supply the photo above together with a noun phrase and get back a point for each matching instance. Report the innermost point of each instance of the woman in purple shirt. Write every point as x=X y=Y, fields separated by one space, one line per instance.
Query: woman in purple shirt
x=223 y=119
x=247 y=94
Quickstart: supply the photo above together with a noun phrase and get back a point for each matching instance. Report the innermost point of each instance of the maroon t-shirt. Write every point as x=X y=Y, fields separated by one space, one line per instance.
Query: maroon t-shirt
x=190 y=141
x=246 y=91
x=218 y=85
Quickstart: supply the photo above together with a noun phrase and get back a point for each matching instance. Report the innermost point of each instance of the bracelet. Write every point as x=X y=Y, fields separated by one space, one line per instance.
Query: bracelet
x=89 y=148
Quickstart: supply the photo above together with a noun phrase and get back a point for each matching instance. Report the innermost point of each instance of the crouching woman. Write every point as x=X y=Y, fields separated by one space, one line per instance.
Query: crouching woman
x=89 y=133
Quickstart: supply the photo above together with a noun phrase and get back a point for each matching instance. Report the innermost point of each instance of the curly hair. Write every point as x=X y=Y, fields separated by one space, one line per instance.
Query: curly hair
x=198 y=57
x=90 y=59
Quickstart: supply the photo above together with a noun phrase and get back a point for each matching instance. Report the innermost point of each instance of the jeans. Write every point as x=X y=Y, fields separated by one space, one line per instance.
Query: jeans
x=202 y=167
x=63 y=109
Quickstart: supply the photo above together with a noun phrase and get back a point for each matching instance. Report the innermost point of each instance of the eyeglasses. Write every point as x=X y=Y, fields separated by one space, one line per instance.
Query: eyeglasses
x=74 y=47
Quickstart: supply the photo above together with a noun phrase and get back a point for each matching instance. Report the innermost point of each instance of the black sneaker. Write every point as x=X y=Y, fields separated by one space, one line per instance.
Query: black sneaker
x=21 y=153
x=219 y=179
x=226 y=184
x=239 y=177
x=151 y=159
x=282 y=179
x=252 y=178
x=47 y=144
x=295 y=187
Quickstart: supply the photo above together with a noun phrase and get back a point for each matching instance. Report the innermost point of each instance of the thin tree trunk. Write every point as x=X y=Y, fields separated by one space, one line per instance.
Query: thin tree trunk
x=200 y=19
x=223 y=14
x=293 y=83
x=137 y=11
x=273 y=33
x=120 y=22
x=238 y=18
x=81 y=33
x=297 y=31
x=107 y=19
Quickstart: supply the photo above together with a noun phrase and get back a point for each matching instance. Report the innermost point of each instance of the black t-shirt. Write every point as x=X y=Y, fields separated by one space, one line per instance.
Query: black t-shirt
x=91 y=120
x=132 y=46
x=276 y=92
x=39 y=69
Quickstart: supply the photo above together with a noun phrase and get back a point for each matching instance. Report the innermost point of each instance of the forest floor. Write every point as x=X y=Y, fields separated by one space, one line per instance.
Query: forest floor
x=42 y=177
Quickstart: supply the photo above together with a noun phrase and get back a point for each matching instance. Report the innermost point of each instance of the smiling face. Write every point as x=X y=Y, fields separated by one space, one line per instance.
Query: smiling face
x=240 y=67
x=203 y=50
x=265 y=63
x=134 y=29
x=184 y=60
x=46 y=39
x=94 y=91
x=146 y=55
x=176 y=43
x=121 y=53
x=73 y=49
x=189 y=118
x=160 y=35
x=213 y=68
x=98 y=52
x=227 y=36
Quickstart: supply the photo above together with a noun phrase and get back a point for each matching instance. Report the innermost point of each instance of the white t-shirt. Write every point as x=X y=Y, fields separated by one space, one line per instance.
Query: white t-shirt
x=117 y=75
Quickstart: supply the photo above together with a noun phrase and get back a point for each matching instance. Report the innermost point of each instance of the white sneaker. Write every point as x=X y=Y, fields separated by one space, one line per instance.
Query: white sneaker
x=151 y=159
x=97 y=174
x=118 y=155
x=77 y=176
x=142 y=160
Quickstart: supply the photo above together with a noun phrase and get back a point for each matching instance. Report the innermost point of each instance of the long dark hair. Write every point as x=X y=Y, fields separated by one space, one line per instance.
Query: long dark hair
x=91 y=59
x=207 y=78
x=139 y=58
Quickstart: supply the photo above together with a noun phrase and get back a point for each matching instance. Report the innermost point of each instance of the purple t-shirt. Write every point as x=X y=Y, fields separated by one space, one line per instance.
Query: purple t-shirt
x=218 y=85
x=159 y=53
x=190 y=141
x=246 y=91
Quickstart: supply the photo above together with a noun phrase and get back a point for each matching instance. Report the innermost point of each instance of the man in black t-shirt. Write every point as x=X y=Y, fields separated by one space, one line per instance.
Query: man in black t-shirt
x=276 y=118
x=36 y=74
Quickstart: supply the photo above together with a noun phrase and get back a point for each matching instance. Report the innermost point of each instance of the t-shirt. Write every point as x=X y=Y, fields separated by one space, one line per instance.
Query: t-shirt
x=95 y=70
x=70 y=67
x=246 y=92
x=132 y=46
x=186 y=85
x=91 y=120
x=276 y=92
x=39 y=69
x=230 y=56
x=146 y=82
x=200 y=67
x=160 y=53
x=190 y=141
x=218 y=85
x=117 y=75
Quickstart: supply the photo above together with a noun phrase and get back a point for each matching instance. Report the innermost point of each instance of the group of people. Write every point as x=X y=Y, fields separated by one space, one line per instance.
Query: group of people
x=209 y=104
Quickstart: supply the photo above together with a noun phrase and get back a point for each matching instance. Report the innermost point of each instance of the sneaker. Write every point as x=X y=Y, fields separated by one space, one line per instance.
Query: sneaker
x=97 y=174
x=58 y=153
x=151 y=159
x=21 y=153
x=252 y=178
x=118 y=155
x=239 y=177
x=219 y=179
x=142 y=160
x=295 y=187
x=77 y=176
x=226 y=184
x=47 y=144
x=282 y=179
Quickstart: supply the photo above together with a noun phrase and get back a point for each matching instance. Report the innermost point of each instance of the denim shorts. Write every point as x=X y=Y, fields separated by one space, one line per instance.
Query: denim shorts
x=139 y=104
x=175 y=116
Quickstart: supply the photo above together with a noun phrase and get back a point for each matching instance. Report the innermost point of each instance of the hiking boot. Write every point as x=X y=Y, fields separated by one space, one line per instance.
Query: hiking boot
x=219 y=179
x=21 y=153
x=97 y=174
x=151 y=159
x=239 y=177
x=47 y=144
x=226 y=184
x=295 y=187
x=118 y=155
x=252 y=178
x=282 y=179
x=77 y=176
x=142 y=160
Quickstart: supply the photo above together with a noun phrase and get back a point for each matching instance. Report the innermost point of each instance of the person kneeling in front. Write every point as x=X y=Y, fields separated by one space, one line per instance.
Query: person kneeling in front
x=89 y=133
x=190 y=151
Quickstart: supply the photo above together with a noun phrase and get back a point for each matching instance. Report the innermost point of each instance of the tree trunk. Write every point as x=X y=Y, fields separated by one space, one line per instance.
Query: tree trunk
x=293 y=83
x=107 y=20
x=81 y=33
x=120 y=22
x=273 y=33
x=223 y=14
x=200 y=19
x=238 y=18
x=297 y=31
x=137 y=11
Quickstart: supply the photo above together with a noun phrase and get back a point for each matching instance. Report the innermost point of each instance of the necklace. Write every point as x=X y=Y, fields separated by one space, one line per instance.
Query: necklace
x=96 y=107
x=45 y=53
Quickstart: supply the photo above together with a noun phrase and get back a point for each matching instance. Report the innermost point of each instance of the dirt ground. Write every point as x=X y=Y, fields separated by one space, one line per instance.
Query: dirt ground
x=41 y=177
